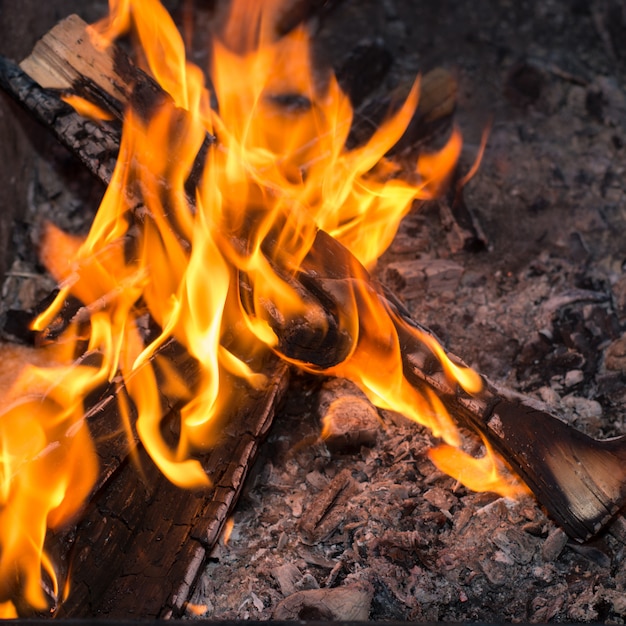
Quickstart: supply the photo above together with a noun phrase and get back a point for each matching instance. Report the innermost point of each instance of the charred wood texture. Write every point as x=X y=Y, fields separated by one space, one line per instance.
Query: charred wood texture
x=143 y=541
x=579 y=480
x=98 y=154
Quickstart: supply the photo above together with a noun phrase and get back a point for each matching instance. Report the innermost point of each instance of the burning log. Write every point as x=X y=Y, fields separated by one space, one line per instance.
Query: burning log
x=112 y=571
x=330 y=281
x=105 y=548
x=579 y=480
x=582 y=498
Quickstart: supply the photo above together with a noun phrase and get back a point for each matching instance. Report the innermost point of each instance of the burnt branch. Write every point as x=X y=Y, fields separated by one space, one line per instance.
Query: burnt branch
x=579 y=480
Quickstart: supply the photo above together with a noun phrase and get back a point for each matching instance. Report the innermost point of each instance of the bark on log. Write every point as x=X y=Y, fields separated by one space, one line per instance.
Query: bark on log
x=143 y=541
x=579 y=480
x=98 y=154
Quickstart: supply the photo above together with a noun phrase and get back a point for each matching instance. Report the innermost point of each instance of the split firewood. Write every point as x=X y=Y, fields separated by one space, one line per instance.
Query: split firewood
x=112 y=573
x=70 y=128
x=133 y=505
x=580 y=481
x=130 y=509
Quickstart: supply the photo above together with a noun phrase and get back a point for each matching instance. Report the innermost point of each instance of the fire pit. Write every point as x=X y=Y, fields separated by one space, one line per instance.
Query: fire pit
x=373 y=528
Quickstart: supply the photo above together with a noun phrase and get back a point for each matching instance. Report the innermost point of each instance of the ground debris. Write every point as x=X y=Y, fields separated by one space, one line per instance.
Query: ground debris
x=347 y=603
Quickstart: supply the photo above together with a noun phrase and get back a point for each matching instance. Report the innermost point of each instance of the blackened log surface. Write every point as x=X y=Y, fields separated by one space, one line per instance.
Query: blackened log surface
x=580 y=481
x=583 y=480
x=96 y=144
x=141 y=544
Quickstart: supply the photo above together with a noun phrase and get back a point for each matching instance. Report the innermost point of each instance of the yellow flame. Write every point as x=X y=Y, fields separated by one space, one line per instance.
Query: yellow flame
x=47 y=467
x=215 y=266
x=8 y=610
x=479 y=474
x=86 y=108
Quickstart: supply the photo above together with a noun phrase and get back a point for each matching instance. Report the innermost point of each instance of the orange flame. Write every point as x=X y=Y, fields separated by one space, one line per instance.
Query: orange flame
x=274 y=178
x=86 y=108
x=47 y=468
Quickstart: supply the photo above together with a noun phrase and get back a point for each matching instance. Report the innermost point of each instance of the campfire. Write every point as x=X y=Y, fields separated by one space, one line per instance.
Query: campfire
x=232 y=249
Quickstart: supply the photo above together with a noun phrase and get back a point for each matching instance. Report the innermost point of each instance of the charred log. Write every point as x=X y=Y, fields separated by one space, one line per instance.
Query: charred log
x=580 y=481
x=143 y=541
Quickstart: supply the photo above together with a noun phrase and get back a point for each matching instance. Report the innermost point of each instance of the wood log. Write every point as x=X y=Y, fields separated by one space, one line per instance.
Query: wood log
x=99 y=154
x=143 y=542
x=578 y=480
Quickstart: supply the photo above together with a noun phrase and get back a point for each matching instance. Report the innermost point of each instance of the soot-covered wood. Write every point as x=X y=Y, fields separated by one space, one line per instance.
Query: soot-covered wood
x=143 y=541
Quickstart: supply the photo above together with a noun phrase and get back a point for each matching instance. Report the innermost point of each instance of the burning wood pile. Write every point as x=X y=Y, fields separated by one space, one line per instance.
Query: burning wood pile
x=227 y=259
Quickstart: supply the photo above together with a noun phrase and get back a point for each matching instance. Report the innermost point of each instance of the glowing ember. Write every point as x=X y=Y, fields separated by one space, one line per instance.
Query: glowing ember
x=275 y=176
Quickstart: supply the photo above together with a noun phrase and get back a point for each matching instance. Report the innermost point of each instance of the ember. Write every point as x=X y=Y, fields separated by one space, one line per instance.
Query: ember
x=274 y=176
